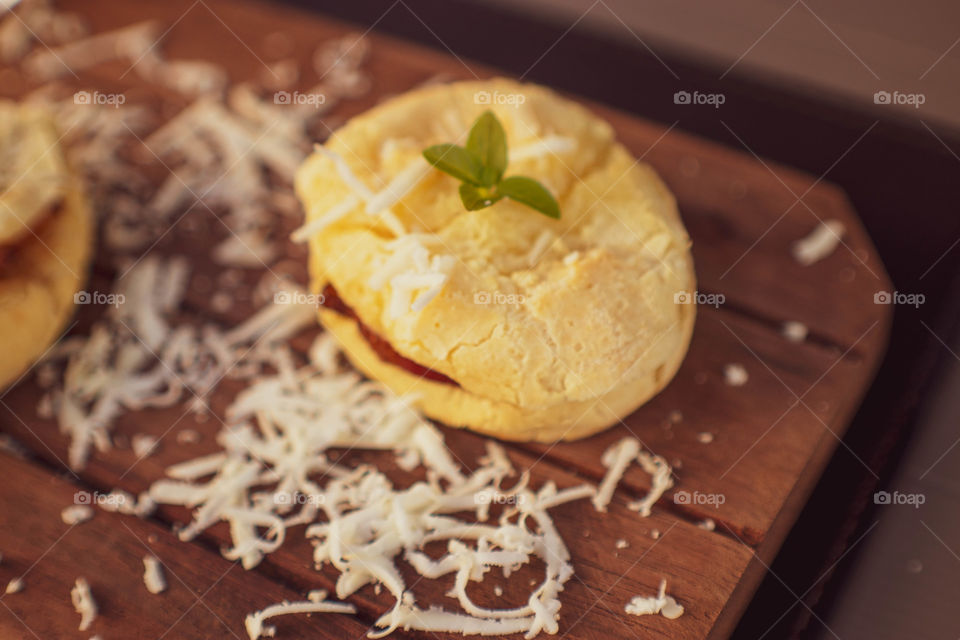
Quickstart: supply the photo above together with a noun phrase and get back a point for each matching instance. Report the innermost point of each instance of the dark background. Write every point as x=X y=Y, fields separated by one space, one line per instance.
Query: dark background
x=853 y=564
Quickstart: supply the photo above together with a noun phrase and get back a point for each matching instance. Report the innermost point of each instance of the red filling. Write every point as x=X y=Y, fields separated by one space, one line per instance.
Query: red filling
x=383 y=349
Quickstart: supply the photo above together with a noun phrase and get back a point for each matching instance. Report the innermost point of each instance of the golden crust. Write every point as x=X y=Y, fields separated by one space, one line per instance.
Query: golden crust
x=548 y=348
x=38 y=280
x=33 y=171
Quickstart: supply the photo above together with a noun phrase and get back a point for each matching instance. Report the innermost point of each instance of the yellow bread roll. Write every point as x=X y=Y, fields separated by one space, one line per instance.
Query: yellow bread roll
x=45 y=262
x=540 y=329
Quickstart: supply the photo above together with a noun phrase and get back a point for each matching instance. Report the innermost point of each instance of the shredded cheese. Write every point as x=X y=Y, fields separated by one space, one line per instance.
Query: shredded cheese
x=661 y=480
x=616 y=459
x=415 y=276
x=317 y=604
x=143 y=444
x=795 y=331
x=76 y=514
x=549 y=145
x=153 y=577
x=821 y=242
x=134 y=359
x=83 y=603
x=14 y=586
x=377 y=203
x=277 y=434
x=735 y=374
x=539 y=247
x=661 y=604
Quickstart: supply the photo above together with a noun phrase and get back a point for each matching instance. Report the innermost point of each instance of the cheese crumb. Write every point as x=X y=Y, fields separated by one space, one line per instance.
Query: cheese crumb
x=708 y=524
x=14 y=586
x=820 y=243
x=83 y=603
x=622 y=544
x=143 y=445
x=795 y=331
x=76 y=514
x=153 y=577
x=661 y=604
x=188 y=436
x=705 y=437
x=735 y=374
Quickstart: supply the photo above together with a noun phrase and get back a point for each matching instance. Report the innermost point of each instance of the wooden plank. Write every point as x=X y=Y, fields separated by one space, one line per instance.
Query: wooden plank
x=207 y=596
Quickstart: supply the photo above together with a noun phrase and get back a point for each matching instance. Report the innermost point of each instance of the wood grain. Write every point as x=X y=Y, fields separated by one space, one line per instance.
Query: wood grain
x=771 y=437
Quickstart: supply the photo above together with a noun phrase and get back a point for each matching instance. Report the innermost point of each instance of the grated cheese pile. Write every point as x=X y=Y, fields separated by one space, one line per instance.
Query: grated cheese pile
x=279 y=436
x=134 y=358
x=231 y=149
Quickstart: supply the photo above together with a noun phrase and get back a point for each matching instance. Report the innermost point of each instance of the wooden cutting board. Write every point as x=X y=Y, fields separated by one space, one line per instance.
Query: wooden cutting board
x=770 y=437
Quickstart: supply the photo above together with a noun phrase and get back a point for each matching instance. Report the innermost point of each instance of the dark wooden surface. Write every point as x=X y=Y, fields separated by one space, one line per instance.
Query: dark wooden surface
x=768 y=449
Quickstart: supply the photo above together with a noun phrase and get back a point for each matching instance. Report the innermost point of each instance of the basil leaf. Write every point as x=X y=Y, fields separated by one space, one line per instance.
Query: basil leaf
x=457 y=161
x=531 y=193
x=488 y=142
x=475 y=198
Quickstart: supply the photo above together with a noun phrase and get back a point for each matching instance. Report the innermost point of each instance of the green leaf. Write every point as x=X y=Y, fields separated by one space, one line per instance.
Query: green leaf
x=488 y=142
x=457 y=161
x=475 y=198
x=531 y=193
